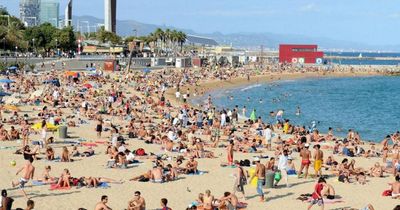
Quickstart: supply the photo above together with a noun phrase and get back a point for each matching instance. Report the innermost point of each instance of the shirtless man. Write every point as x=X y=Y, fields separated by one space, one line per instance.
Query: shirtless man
x=137 y=203
x=102 y=205
x=328 y=192
x=157 y=174
x=318 y=160
x=260 y=173
x=396 y=188
x=305 y=155
x=191 y=166
x=385 y=145
x=208 y=200
x=230 y=152
x=29 y=171
x=230 y=201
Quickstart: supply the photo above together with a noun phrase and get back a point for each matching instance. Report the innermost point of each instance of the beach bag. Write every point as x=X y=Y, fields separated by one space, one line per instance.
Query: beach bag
x=278 y=176
x=140 y=152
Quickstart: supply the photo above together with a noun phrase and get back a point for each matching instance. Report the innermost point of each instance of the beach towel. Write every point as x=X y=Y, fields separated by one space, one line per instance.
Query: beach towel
x=101 y=142
x=328 y=201
x=89 y=144
x=198 y=173
x=56 y=187
x=103 y=185
x=37 y=183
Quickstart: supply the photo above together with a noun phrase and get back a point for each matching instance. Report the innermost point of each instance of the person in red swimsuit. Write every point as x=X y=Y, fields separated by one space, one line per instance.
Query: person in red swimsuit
x=316 y=197
x=305 y=155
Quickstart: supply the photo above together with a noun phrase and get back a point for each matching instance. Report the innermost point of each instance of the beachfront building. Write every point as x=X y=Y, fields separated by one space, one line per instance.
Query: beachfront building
x=294 y=53
x=29 y=12
x=68 y=14
x=110 y=15
x=49 y=12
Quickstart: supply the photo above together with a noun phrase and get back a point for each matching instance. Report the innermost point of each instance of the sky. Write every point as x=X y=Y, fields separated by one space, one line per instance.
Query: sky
x=375 y=22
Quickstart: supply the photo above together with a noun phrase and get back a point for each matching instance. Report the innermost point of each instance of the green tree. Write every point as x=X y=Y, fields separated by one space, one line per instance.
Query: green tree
x=104 y=36
x=66 y=39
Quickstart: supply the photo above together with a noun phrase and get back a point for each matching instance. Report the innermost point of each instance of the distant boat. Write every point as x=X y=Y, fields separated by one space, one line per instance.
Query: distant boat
x=360 y=56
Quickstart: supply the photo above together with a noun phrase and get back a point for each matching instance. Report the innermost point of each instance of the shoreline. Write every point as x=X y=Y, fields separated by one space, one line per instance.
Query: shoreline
x=212 y=85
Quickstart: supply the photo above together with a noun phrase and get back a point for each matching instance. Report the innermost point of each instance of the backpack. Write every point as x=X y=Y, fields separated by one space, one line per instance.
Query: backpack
x=140 y=152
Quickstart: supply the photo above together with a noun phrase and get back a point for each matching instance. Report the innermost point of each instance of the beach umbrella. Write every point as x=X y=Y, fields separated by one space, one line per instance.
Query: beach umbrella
x=50 y=127
x=11 y=108
x=253 y=115
x=88 y=86
x=6 y=81
x=71 y=74
x=146 y=70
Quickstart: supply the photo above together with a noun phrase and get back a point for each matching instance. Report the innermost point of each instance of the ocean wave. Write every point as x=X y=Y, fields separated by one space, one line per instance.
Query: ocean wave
x=250 y=87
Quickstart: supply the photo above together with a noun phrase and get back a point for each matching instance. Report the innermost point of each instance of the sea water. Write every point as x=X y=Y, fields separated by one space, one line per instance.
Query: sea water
x=369 y=105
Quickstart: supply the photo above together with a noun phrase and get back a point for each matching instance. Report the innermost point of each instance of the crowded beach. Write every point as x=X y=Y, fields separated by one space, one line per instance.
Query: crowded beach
x=132 y=140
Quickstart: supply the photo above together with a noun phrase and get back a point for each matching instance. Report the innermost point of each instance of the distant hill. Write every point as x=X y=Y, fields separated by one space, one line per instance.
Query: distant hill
x=244 y=40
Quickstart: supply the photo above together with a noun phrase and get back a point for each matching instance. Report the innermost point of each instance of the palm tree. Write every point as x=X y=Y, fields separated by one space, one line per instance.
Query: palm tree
x=159 y=35
x=181 y=39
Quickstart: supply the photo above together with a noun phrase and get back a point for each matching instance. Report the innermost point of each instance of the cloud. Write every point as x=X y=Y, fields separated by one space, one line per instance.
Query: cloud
x=235 y=13
x=311 y=7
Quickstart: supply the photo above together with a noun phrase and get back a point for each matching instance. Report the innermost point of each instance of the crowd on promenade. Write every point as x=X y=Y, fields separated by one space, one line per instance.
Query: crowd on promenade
x=153 y=107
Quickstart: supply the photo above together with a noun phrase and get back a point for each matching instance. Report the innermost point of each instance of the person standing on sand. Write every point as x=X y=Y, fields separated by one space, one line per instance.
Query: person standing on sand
x=29 y=171
x=229 y=151
x=102 y=205
x=318 y=159
x=385 y=145
x=316 y=197
x=305 y=155
x=241 y=180
x=260 y=173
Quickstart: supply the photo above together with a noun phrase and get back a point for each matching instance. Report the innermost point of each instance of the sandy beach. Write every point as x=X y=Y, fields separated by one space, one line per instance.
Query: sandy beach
x=185 y=190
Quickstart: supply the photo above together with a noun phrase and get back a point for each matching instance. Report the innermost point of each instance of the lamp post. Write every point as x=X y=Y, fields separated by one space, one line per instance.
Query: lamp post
x=4 y=49
x=57 y=47
x=33 y=45
x=16 y=55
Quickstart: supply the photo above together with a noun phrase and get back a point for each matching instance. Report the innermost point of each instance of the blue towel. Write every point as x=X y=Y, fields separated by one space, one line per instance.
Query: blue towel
x=37 y=183
x=104 y=185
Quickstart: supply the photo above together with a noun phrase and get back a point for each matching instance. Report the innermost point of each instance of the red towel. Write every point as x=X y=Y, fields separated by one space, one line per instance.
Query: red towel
x=56 y=187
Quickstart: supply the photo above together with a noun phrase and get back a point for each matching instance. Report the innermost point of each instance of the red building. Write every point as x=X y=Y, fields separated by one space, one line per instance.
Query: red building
x=291 y=53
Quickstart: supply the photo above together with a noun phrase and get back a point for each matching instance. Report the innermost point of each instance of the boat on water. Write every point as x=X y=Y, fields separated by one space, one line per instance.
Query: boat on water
x=360 y=55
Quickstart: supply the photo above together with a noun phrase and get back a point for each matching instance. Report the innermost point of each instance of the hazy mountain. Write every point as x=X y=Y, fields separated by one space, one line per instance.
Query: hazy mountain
x=246 y=40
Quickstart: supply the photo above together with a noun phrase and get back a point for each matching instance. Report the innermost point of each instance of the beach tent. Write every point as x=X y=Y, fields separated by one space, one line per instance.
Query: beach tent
x=50 y=127
x=253 y=115
x=6 y=81
x=11 y=108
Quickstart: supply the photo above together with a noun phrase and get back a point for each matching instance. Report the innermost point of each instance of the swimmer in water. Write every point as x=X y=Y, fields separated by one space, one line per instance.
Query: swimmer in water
x=231 y=98
x=298 y=111
x=261 y=101
x=248 y=99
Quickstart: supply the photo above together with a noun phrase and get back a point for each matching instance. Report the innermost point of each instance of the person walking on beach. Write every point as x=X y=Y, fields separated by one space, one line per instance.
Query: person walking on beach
x=305 y=155
x=268 y=137
x=318 y=159
x=29 y=171
x=283 y=166
x=230 y=152
x=102 y=205
x=241 y=180
x=316 y=197
x=260 y=173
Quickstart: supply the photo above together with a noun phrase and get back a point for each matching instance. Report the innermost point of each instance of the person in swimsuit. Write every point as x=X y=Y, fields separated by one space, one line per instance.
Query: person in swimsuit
x=102 y=205
x=316 y=197
x=260 y=173
x=318 y=157
x=99 y=127
x=305 y=155
x=29 y=171
x=208 y=200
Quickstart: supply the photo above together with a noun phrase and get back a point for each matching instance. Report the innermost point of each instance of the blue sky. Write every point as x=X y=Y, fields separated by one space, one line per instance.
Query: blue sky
x=367 y=21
